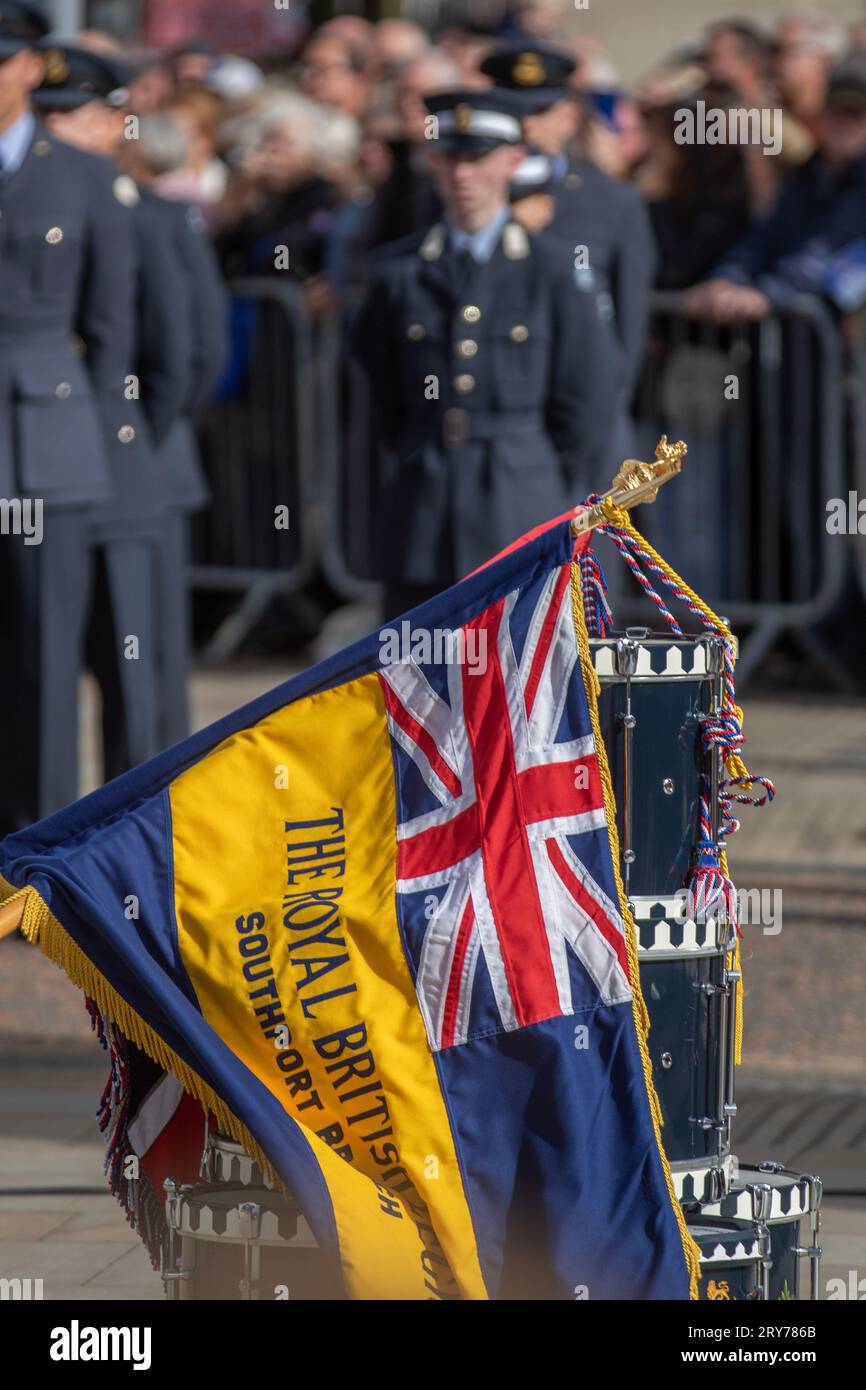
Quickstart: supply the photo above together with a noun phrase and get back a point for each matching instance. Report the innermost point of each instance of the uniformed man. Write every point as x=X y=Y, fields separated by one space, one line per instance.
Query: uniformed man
x=66 y=316
x=186 y=488
x=602 y=219
x=492 y=372
x=82 y=98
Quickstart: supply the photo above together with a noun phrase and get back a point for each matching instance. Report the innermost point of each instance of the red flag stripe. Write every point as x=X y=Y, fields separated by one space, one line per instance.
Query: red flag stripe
x=553 y=789
x=545 y=638
x=592 y=909
x=452 y=998
x=419 y=735
x=439 y=847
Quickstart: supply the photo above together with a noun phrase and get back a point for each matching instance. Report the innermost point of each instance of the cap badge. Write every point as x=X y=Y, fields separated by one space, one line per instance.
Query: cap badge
x=56 y=67
x=462 y=118
x=529 y=71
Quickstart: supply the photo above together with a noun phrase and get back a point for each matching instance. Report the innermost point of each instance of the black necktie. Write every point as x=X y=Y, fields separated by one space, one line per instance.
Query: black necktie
x=466 y=266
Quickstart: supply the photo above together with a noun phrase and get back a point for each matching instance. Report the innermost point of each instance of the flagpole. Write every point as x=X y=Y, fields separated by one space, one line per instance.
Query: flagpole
x=635 y=482
x=10 y=916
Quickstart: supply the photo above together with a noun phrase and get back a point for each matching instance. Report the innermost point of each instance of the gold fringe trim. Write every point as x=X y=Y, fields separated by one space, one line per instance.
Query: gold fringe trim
x=41 y=927
x=641 y=1015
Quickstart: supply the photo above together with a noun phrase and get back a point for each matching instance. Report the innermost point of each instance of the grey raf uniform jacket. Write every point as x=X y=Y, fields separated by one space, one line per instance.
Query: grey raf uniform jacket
x=492 y=393
x=66 y=291
x=609 y=219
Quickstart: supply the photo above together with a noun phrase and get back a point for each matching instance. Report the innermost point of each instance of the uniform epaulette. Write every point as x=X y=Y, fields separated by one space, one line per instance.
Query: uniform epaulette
x=515 y=242
x=433 y=245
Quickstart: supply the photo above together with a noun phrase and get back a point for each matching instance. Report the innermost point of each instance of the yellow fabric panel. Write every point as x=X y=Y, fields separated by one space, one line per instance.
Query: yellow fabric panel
x=309 y=910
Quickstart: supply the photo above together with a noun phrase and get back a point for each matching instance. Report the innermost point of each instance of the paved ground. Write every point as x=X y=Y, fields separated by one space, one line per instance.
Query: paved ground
x=58 y=1222
x=802 y=1087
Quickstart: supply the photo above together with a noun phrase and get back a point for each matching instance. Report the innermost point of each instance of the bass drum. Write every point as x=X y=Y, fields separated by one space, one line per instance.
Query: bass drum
x=781 y=1199
x=242 y=1244
x=656 y=691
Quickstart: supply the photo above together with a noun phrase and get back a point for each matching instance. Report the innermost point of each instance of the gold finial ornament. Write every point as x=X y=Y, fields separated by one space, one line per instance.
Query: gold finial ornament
x=635 y=482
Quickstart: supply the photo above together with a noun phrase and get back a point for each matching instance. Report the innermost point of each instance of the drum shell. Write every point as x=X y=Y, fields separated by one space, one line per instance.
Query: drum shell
x=731 y=1258
x=656 y=766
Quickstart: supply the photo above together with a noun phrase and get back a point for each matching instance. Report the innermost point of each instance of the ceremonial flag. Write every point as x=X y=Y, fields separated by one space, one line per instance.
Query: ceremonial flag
x=373 y=921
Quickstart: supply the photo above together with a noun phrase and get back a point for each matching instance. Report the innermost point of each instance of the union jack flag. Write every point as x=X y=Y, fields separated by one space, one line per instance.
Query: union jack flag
x=504 y=876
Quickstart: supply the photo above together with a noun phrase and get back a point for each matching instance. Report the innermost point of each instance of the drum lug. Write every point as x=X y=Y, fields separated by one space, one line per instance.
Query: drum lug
x=814 y=1253
x=707 y=988
x=250 y=1223
x=816 y=1192
x=715 y=655
x=627 y=649
x=762 y=1200
x=716 y=1183
x=763 y=1235
x=172 y=1276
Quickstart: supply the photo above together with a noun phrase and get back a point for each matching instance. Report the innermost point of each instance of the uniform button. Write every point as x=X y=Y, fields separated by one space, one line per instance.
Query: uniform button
x=53 y=235
x=464 y=383
x=63 y=390
x=416 y=331
x=519 y=333
x=126 y=434
x=41 y=147
x=467 y=348
x=470 y=313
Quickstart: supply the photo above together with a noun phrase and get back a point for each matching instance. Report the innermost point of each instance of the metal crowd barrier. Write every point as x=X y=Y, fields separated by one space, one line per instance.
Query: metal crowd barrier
x=762 y=407
x=857 y=409
x=258 y=441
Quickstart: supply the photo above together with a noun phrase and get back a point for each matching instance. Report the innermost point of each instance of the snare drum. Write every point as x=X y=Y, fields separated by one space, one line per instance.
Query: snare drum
x=243 y=1243
x=655 y=693
x=780 y=1199
x=735 y=1258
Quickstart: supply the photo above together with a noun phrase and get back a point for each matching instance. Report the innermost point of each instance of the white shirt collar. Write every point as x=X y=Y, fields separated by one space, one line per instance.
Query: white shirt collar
x=15 y=142
x=482 y=243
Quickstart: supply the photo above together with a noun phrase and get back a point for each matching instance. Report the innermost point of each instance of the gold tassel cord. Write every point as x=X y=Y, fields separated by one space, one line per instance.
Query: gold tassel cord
x=691 y=1250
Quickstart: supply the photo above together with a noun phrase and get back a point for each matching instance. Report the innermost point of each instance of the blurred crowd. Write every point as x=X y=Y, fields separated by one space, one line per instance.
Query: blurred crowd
x=321 y=152
x=733 y=171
